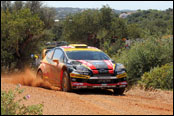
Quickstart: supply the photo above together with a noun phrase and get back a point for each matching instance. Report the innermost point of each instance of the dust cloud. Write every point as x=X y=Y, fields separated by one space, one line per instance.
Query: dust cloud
x=28 y=78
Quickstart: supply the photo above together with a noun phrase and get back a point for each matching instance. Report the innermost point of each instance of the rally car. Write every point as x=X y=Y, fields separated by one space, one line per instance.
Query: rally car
x=78 y=66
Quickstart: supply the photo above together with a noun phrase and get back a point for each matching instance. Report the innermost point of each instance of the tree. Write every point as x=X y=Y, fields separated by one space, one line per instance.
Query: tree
x=153 y=21
x=46 y=14
x=93 y=27
x=34 y=6
x=81 y=27
x=6 y=5
x=134 y=31
x=18 y=5
x=57 y=30
x=21 y=32
x=24 y=31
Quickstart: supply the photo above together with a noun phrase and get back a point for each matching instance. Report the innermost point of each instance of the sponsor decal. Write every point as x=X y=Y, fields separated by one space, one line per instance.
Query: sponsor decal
x=45 y=77
x=79 y=76
x=122 y=83
x=122 y=86
x=104 y=80
x=121 y=75
x=77 y=84
x=65 y=47
x=104 y=84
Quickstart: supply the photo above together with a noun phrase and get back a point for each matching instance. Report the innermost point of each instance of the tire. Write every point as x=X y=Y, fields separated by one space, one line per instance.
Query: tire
x=119 y=91
x=66 y=86
x=39 y=74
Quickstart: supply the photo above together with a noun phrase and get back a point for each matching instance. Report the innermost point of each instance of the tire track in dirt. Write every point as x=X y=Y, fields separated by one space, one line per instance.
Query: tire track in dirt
x=89 y=105
x=121 y=106
x=94 y=102
x=154 y=106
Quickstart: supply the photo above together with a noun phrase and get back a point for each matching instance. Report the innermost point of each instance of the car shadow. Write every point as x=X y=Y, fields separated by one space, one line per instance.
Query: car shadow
x=95 y=92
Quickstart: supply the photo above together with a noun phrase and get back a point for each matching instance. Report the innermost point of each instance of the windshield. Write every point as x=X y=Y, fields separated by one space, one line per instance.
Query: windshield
x=87 y=55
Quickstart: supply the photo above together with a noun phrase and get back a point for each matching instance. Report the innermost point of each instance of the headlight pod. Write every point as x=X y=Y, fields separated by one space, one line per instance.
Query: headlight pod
x=119 y=67
x=80 y=68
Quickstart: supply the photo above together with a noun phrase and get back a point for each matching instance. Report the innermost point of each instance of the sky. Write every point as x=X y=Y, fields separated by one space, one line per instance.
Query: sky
x=118 y=5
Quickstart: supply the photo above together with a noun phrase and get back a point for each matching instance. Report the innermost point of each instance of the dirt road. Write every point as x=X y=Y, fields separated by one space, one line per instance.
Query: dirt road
x=97 y=102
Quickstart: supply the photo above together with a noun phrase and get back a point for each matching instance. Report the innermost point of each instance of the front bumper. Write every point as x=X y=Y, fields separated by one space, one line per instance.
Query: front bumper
x=108 y=82
x=77 y=85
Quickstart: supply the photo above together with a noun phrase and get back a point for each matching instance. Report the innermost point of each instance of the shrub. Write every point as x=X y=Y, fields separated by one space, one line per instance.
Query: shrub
x=10 y=106
x=143 y=56
x=159 y=77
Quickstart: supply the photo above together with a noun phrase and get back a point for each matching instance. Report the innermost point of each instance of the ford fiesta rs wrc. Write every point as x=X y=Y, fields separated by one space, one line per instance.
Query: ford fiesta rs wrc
x=80 y=66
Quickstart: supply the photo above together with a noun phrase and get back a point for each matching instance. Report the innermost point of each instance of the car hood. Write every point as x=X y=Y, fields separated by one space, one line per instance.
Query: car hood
x=98 y=64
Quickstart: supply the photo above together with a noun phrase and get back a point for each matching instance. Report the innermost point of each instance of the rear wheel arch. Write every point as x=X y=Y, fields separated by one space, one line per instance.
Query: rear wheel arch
x=39 y=73
x=39 y=70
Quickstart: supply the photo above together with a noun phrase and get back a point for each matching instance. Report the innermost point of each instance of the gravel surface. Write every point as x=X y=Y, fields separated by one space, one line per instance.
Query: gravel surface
x=94 y=101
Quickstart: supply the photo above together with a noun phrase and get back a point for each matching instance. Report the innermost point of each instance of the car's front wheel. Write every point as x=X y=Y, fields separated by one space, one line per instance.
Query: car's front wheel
x=66 y=86
x=119 y=91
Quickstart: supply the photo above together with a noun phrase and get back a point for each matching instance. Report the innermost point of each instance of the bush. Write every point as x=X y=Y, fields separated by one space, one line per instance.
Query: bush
x=143 y=56
x=10 y=106
x=159 y=77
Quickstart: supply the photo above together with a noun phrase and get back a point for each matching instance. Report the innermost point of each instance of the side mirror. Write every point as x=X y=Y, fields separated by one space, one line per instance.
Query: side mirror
x=56 y=61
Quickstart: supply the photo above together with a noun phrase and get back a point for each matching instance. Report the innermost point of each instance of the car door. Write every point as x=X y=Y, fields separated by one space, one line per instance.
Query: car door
x=56 y=68
x=47 y=70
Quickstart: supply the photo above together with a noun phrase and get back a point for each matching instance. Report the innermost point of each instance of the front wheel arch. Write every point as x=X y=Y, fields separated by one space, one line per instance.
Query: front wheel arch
x=66 y=82
x=64 y=68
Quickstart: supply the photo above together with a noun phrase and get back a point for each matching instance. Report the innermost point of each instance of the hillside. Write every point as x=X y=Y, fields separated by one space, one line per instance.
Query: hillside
x=62 y=12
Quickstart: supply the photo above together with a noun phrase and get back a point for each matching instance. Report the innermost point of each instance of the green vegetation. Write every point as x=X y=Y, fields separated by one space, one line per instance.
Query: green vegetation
x=153 y=22
x=101 y=28
x=11 y=106
x=143 y=56
x=159 y=77
x=18 y=29
x=27 y=26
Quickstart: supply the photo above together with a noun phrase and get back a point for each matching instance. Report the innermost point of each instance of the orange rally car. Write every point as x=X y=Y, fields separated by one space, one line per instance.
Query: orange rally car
x=80 y=66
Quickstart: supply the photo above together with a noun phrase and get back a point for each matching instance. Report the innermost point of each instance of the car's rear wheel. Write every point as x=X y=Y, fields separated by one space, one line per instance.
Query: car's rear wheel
x=40 y=74
x=119 y=91
x=66 y=86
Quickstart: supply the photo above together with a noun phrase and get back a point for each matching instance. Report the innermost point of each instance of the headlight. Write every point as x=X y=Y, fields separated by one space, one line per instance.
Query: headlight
x=119 y=67
x=81 y=68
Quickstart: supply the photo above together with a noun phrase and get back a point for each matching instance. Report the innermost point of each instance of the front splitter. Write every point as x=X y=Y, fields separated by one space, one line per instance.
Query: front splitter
x=77 y=85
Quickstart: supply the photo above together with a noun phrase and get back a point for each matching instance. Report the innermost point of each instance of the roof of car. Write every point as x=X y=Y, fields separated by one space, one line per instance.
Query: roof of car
x=79 y=47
